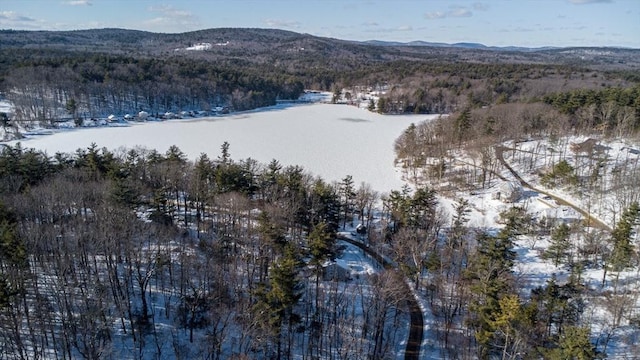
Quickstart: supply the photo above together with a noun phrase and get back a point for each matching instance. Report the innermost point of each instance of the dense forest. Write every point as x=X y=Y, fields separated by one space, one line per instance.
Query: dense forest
x=100 y=250
x=559 y=143
x=137 y=253
x=50 y=76
x=95 y=243
x=92 y=86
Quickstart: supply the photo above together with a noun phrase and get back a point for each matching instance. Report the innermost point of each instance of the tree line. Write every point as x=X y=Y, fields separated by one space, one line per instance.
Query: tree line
x=99 y=84
x=436 y=87
x=42 y=83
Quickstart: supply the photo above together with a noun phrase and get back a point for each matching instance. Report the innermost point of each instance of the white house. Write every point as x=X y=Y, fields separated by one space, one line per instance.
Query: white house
x=559 y=215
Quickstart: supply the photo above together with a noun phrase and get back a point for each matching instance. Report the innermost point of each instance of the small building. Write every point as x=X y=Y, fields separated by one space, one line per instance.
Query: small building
x=558 y=215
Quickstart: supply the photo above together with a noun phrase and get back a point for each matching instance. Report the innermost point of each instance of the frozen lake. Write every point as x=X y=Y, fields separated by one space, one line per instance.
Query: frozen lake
x=327 y=140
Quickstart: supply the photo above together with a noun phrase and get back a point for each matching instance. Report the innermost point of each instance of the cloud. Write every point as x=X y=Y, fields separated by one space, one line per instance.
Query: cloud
x=14 y=20
x=168 y=10
x=404 y=28
x=370 y=23
x=14 y=17
x=583 y=2
x=518 y=29
x=453 y=12
x=169 y=18
x=282 y=23
x=460 y=12
x=435 y=15
x=480 y=6
x=78 y=3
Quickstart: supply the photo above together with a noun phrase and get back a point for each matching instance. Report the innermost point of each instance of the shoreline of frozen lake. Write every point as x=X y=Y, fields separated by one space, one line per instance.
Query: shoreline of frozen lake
x=331 y=141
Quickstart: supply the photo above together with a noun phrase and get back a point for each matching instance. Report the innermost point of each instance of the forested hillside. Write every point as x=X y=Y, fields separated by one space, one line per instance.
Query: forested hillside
x=558 y=278
x=50 y=76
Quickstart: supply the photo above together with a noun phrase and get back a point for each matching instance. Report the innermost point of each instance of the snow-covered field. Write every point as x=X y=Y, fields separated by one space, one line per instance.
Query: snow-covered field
x=331 y=141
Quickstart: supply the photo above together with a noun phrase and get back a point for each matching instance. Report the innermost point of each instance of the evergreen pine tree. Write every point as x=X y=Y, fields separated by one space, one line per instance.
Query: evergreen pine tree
x=284 y=294
x=462 y=124
x=558 y=249
x=372 y=105
x=458 y=227
x=573 y=344
x=491 y=275
x=423 y=208
x=321 y=244
x=621 y=238
x=348 y=194
x=13 y=257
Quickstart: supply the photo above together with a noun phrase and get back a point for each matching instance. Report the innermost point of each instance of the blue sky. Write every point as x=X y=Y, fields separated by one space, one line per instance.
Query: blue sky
x=491 y=22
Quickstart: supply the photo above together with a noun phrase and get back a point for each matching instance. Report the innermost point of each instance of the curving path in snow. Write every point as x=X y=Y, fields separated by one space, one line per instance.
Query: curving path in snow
x=591 y=221
x=416 y=329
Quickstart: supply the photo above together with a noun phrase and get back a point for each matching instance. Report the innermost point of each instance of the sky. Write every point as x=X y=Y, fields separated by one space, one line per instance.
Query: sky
x=530 y=23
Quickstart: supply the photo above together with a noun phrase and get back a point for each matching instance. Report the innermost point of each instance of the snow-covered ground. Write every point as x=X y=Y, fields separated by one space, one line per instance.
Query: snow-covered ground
x=355 y=261
x=616 y=156
x=5 y=106
x=611 y=156
x=331 y=141
x=615 y=159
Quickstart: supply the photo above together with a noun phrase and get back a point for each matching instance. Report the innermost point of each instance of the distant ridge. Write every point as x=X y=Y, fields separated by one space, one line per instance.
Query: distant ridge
x=48 y=38
x=276 y=46
x=464 y=45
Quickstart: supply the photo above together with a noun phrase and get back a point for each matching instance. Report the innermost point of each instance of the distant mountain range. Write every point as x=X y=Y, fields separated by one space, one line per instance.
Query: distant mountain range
x=115 y=35
x=253 y=45
x=463 y=45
